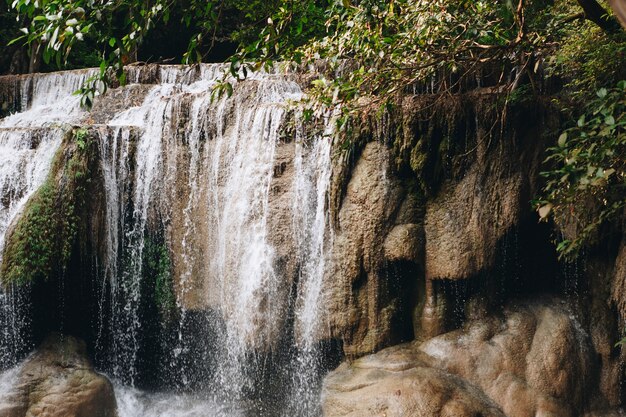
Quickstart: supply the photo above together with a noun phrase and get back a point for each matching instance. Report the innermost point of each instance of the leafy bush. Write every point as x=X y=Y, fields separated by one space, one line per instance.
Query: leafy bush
x=586 y=186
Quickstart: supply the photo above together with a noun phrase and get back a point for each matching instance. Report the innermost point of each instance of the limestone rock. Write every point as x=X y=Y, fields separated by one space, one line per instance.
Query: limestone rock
x=534 y=361
x=465 y=221
x=606 y=413
x=405 y=242
x=477 y=205
x=59 y=381
x=377 y=227
x=400 y=382
x=619 y=281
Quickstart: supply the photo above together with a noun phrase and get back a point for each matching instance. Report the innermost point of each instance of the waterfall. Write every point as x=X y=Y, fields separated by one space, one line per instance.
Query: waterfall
x=215 y=233
x=28 y=143
x=203 y=176
x=313 y=238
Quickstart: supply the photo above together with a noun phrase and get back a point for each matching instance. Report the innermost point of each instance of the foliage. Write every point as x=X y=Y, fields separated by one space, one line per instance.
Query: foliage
x=374 y=50
x=41 y=243
x=588 y=59
x=586 y=186
x=116 y=29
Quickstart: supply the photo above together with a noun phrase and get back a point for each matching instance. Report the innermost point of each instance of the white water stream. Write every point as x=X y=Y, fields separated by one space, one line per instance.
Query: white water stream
x=28 y=142
x=200 y=177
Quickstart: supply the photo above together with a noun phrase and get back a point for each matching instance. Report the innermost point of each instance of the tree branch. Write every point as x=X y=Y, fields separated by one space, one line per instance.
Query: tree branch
x=598 y=15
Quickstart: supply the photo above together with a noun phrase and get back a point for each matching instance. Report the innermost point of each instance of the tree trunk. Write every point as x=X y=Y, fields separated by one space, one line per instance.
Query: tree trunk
x=35 y=58
x=598 y=15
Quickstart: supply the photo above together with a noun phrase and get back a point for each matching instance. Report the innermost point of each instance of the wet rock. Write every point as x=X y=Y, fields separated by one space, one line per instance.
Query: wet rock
x=400 y=381
x=606 y=413
x=405 y=242
x=465 y=221
x=534 y=361
x=486 y=192
x=59 y=381
x=377 y=226
x=618 y=289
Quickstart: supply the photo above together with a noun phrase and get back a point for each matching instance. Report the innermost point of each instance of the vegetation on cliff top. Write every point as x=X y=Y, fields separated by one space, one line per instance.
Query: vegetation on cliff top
x=374 y=51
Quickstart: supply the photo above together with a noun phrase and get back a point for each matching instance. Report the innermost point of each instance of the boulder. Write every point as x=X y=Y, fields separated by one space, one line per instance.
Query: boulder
x=401 y=381
x=535 y=360
x=58 y=380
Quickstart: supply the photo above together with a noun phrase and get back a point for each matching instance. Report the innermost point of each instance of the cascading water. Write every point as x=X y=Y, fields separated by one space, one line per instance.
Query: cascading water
x=28 y=142
x=198 y=205
x=313 y=238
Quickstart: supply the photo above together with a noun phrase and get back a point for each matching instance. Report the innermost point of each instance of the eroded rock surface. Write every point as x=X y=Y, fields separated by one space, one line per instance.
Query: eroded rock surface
x=59 y=381
x=474 y=210
x=377 y=226
x=401 y=381
x=534 y=361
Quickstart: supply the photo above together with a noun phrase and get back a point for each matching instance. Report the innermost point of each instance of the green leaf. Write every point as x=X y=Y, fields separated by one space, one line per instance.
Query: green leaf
x=602 y=93
x=16 y=40
x=46 y=55
x=562 y=139
x=609 y=120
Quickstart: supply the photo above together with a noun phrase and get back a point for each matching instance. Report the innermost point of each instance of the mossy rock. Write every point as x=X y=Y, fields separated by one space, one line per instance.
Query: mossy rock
x=40 y=243
x=158 y=266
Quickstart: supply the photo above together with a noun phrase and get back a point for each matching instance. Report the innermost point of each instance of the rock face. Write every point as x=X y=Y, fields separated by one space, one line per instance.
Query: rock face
x=534 y=361
x=59 y=381
x=479 y=203
x=430 y=198
x=464 y=222
x=377 y=230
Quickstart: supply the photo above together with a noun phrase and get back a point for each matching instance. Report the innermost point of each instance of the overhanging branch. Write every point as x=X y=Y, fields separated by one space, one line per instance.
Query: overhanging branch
x=598 y=15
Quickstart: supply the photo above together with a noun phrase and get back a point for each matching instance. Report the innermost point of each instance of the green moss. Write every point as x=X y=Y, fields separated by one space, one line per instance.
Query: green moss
x=158 y=264
x=41 y=242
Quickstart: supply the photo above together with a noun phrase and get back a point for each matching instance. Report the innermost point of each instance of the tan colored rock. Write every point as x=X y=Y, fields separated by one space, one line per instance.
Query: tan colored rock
x=486 y=193
x=400 y=382
x=405 y=242
x=465 y=221
x=59 y=381
x=534 y=361
x=376 y=226
x=618 y=289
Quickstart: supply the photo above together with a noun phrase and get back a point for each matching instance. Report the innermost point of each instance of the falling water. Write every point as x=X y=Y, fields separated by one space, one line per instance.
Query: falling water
x=200 y=176
x=313 y=238
x=203 y=170
x=28 y=142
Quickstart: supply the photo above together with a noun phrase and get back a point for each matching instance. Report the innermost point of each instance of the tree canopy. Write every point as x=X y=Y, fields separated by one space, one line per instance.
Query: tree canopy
x=377 y=50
